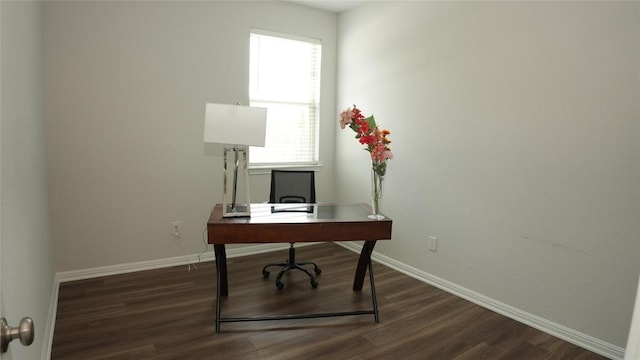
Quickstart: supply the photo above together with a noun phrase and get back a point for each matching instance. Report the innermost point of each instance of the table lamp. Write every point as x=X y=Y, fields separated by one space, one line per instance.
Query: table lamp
x=237 y=127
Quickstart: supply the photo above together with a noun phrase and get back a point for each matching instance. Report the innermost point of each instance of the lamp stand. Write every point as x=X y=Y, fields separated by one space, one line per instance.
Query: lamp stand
x=234 y=209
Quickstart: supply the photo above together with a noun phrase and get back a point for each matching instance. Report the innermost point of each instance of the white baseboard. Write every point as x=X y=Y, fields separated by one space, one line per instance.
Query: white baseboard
x=161 y=263
x=575 y=337
x=51 y=321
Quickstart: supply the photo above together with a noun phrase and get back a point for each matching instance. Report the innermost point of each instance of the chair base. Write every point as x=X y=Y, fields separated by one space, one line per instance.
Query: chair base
x=292 y=265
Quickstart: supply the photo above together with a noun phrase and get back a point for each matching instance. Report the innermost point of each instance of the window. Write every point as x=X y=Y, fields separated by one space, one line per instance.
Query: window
x=284 y=77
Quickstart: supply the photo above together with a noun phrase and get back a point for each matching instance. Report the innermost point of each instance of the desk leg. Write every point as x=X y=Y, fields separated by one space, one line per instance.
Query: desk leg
x=221 y=268
x=363 y=263
x=374 y=298
x=221 y=279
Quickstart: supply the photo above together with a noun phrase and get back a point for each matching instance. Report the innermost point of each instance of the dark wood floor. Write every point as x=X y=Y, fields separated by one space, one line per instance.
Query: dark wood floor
x=169 y=314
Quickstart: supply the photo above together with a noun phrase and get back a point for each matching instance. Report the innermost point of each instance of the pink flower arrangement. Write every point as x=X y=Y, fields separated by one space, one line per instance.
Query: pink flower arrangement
x=368 y=134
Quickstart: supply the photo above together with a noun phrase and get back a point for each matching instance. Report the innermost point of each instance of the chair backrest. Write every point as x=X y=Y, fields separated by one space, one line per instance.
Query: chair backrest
x=292 y=186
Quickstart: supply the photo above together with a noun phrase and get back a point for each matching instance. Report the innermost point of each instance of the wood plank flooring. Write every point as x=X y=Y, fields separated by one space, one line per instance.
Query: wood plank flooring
x=169 y=314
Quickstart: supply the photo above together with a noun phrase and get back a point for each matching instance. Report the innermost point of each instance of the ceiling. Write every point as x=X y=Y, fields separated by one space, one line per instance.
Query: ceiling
x=335 y=6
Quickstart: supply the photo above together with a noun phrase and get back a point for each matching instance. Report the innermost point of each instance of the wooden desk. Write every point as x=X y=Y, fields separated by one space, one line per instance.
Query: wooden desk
x=276 y=223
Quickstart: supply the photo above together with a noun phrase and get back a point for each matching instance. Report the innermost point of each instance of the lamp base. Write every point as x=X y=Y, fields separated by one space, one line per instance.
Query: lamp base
x=237 y=168
x=239 y=211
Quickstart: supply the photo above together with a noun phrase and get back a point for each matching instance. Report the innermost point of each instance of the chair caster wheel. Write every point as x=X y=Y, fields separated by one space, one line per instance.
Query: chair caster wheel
x=318 y=271
x=314 y=284
x=279 y=285
x=265 y=274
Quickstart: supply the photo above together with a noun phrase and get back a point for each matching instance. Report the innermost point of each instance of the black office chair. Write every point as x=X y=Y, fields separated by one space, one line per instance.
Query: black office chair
x=292 y=186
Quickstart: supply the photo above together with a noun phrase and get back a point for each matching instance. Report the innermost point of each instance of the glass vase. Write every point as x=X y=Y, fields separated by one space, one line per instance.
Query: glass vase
x=376 y=195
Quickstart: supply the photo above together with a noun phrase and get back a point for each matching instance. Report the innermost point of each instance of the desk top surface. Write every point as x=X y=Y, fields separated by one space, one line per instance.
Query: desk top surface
x=265 y=213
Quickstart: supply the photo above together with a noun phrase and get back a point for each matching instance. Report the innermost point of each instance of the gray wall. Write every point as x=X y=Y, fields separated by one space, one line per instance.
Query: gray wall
x=516 y=132
x=26 y=245
x=125 y=91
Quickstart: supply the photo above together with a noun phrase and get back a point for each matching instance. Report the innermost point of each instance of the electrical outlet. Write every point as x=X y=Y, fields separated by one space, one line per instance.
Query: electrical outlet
x=433 y=243
x=175 y=229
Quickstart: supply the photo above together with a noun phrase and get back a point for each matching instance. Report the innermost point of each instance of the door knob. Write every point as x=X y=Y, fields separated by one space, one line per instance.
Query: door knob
x=24 y=332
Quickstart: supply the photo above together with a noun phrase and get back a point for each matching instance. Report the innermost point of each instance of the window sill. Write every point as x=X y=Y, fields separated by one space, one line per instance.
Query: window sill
x=266 y=169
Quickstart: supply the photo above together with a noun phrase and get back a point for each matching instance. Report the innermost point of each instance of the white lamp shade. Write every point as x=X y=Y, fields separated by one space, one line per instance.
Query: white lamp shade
x=235 y=124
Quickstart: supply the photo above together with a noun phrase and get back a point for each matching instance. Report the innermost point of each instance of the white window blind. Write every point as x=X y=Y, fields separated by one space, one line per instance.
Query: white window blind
x=285 y=78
